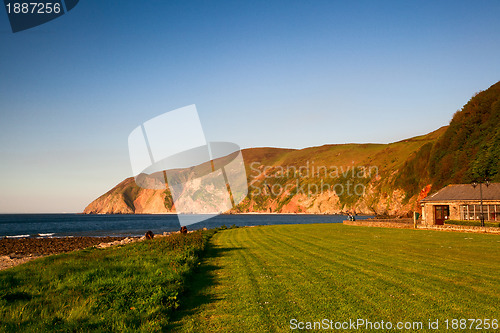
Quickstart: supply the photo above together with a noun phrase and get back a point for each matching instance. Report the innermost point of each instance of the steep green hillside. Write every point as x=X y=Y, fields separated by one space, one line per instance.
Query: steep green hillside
x=469 y=150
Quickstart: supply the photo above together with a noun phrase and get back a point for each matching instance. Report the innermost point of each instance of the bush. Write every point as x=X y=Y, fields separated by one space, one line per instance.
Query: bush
x=474 y=223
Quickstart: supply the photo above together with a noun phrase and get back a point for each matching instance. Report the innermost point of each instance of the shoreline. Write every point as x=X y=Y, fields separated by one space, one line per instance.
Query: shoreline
x=45 y=246
x=16 y=251
x=135 y=225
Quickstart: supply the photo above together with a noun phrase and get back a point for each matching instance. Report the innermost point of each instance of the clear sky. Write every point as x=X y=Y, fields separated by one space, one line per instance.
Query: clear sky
x=261 y=73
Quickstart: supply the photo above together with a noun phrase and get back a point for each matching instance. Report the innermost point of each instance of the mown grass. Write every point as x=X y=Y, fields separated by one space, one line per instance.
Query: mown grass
x=132 y=288
x=258 y=279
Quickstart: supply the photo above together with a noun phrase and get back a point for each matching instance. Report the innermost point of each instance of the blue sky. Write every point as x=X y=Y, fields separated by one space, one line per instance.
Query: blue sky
x=261 y=73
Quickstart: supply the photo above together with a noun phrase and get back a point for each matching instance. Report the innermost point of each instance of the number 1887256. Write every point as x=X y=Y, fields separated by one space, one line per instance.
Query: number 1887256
x=33 y=8
x=478 y=324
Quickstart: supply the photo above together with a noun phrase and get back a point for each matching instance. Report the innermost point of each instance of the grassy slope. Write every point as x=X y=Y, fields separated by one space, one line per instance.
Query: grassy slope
x=257 y=279
x=386 y=156
x=128 y=289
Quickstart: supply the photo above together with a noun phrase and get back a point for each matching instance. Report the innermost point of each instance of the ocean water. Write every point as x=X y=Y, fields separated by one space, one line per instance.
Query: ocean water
x=60 y=225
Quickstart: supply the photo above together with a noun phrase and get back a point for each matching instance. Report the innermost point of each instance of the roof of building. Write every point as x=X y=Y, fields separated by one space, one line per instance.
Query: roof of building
x=458 y=192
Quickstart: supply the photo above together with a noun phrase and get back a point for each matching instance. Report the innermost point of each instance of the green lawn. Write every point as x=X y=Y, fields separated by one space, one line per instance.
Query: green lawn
x=131 y=288
x=258 y=279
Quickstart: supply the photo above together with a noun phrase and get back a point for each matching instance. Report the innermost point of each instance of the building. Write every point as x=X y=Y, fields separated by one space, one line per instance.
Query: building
x=462 y=202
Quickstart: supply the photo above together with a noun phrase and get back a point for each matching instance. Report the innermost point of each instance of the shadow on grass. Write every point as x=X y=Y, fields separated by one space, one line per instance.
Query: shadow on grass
x=197 y=284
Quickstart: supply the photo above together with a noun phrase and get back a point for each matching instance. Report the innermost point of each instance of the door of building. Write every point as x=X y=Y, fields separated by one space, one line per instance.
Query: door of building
x=441 y=214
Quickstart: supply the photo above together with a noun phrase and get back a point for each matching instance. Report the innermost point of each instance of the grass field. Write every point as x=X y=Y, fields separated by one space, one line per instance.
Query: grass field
x=258 y=279
x=133 y=288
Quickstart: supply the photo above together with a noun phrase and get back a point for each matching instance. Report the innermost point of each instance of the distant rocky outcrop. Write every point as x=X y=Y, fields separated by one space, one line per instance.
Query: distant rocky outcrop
x=128 y=198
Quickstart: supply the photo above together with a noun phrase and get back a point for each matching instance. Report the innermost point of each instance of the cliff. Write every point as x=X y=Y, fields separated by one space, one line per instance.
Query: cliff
x=358 y=177
x=381 y=179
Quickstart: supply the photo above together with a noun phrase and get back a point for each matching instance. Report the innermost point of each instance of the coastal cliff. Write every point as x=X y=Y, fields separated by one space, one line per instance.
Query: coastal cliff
x=320 y=180
x=375 y=179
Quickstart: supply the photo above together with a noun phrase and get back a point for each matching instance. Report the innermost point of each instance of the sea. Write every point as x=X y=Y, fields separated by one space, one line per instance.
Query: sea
x=67 y=225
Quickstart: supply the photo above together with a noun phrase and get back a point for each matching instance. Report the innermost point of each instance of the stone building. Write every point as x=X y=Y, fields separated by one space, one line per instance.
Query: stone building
x=462 y=202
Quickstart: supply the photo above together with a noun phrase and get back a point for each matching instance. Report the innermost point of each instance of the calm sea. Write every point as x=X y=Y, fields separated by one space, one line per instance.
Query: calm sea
x=59 y=225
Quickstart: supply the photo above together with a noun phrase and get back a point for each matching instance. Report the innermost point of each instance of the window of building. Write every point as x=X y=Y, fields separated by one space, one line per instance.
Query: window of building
x=473 y=212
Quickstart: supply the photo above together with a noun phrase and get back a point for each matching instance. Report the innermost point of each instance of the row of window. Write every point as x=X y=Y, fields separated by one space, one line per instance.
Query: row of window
x=473 y=212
